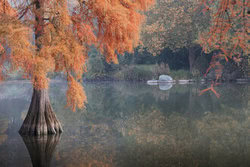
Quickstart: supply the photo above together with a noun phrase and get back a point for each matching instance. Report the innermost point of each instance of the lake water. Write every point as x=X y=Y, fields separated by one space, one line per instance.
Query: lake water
x=132 y=125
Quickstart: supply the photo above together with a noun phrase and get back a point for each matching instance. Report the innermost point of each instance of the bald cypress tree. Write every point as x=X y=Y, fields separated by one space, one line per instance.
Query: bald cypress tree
x=54 y=36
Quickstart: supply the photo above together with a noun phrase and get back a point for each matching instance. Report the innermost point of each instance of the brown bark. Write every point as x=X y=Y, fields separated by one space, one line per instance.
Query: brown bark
x=41 y=148
x=41 y=119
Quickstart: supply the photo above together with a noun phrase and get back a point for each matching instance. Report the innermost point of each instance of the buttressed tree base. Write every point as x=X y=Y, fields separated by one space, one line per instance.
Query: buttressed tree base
x=40 y=119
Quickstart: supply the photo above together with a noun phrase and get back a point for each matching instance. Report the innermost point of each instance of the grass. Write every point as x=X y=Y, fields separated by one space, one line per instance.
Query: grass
x=148 y=72
x=125 y=73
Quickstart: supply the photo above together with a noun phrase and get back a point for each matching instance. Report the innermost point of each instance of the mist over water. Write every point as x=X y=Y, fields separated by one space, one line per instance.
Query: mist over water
x=131 y=124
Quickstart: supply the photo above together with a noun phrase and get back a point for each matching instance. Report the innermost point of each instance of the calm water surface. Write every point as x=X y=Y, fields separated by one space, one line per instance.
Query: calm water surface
x=130 y=125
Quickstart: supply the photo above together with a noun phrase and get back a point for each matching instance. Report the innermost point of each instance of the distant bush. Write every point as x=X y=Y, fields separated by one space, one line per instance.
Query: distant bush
x=160 y=69
x=180 y=74
x=133 y=73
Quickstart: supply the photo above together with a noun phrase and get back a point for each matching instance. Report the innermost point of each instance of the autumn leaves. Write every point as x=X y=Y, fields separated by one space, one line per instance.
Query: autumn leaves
x=52 y=36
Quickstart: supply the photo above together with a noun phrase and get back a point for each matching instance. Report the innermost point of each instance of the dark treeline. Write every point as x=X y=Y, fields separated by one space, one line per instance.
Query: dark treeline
x=142 y=65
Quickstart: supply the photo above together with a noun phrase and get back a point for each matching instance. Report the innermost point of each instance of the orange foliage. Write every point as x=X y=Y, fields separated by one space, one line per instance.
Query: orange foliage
x=5 y=8
x=54 y=35
x=228 y=32
x=117 y=24
x=212 y=89
x=15 y=36
x=75 y=94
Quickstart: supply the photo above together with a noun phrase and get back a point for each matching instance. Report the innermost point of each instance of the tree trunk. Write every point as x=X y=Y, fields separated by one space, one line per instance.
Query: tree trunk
x=191 y=57
x=41 y=148
x=40 y=120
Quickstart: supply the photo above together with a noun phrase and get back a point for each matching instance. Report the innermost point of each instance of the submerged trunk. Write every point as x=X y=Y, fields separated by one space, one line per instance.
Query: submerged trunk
x=41 y=119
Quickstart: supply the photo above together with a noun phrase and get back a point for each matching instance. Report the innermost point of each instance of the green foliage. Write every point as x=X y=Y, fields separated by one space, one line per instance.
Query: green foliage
x=138 y=57
x=98 y=68
x=148 y=72
x=134 y=73
x=174 y=25
x=160 y=69
x=180 y=74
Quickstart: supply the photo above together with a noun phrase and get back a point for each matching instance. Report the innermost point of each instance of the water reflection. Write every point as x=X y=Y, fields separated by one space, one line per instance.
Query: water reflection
x=41 y=148
x=165 y=86
x=136 y=124
x=3 y=128
x=162 y=85
x=179 y=140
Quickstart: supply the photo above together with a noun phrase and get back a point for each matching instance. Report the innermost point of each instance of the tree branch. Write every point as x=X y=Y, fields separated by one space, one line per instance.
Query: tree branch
x=25 y=10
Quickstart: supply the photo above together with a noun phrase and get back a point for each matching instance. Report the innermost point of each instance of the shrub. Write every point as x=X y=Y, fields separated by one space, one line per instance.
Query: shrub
x=180 y=74
x=160 y=69
x=133 y=73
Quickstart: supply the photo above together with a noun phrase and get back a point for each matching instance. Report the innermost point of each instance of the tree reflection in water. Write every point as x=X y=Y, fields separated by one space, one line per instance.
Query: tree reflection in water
x=216 y=139
x=41 y=148
x=3 y=129
x=128 y=124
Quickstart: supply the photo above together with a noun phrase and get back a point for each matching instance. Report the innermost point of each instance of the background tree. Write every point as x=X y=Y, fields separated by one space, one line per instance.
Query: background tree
x=228 y=33
x=54 y=35
x=175 y=25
